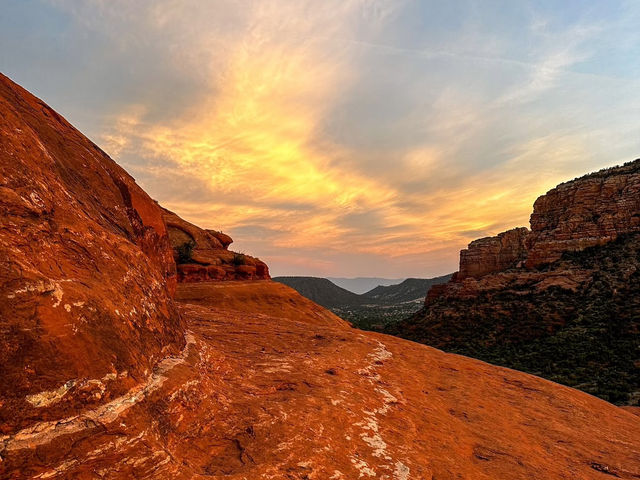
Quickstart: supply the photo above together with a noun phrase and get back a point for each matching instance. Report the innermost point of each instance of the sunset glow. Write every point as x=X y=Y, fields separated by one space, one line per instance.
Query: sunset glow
x=341 y=138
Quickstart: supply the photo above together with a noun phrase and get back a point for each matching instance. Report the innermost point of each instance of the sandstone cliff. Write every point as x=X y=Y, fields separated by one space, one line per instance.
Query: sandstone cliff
x=591 y=210
x=493 y=254
x=588 y=211
x=105 y=375
x=557 y=300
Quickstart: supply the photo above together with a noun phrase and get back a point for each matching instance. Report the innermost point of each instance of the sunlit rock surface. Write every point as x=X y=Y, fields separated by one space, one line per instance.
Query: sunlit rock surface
x=203 y=255
x=106 y=375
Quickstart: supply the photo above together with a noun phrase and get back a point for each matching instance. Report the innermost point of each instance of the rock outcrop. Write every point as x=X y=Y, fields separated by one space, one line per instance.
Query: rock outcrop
x=86 y=269
x=105 y=375
x=203 y=255
x=493 y=254
x=591 y=210
x=575 y=271
x=588 y=211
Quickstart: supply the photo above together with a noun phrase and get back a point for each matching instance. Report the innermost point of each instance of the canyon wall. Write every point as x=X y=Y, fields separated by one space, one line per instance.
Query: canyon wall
x=560 y=300
x=588 y=211
x=493 y=254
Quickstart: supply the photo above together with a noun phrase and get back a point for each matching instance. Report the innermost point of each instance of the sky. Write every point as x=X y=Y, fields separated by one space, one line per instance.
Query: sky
x=341 y=137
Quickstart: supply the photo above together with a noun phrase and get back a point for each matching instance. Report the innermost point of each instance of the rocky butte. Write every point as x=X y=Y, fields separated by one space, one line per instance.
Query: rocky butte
x=118 y=363
x=560 y=300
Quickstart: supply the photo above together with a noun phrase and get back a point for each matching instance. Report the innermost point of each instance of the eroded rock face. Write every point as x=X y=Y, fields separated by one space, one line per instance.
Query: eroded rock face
x=591 y=210
x=568 y=287
x=86 y=269
x=202 y=255
x=493 y=254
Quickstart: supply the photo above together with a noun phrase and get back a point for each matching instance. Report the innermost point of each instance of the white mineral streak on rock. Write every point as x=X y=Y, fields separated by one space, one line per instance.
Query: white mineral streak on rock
x=44 y=432
x=371 y=434
x=49 y=397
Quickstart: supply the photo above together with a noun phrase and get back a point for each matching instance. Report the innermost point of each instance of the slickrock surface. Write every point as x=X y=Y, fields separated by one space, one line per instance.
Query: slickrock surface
x=86 y=269
x=283 y=389
x=106 y=375
x=208 y=256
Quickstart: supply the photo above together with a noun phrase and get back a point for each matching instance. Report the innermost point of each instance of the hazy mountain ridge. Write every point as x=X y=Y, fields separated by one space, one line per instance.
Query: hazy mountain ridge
x=362 y=285
x=409 y=290
x=329 y=295
x=370 y=310
x=322 y=291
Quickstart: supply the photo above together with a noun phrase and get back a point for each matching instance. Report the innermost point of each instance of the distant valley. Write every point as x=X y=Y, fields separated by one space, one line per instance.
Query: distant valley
x=381 y=306
x=361 y=285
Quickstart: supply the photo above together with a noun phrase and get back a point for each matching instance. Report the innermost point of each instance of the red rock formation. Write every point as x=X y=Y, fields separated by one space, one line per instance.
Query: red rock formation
x=539 y=302
x=493 y=254
x=96 y=381
x=591 y=210
x=86 y=269
x=208 y=256
x=588 y=211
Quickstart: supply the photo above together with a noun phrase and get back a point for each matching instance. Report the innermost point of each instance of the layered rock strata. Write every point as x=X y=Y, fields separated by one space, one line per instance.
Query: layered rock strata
x=202 y=255
x=493 y=254
x=588 y=211
x=548 y=299
x=591 y=210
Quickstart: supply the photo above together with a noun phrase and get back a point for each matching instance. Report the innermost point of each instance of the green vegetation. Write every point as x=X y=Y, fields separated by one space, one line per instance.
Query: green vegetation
x=239 y=259
x=377 y=317
x=586 y=339
x=185 y=251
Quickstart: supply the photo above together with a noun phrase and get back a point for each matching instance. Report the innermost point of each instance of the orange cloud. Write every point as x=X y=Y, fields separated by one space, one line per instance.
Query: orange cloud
x=256 y=140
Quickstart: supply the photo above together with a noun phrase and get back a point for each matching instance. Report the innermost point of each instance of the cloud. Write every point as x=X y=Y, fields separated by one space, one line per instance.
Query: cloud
x=357 y=137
